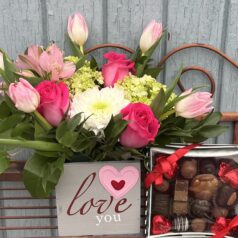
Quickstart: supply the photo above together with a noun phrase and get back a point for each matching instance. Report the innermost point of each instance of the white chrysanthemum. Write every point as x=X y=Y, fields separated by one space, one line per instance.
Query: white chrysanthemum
x=99 y=106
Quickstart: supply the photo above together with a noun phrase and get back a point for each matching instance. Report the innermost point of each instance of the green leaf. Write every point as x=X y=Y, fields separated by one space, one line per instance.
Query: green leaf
x=81 y=62
x=170 y=90
x=5 y=110
x=136 y=55
x=24 y=130
x=93 y=63
x=4 y=161
x=41 y=174
x=212 y=131
x=9 y=70
x=10 y=122
x=211 y=119
x=115 y=127
x=153 y=72
x=65 y=133
x=75 y=48
x=158 y=103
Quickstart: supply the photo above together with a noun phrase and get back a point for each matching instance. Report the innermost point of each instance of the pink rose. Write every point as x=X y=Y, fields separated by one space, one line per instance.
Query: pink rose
x=194 y=105
x=116 y=68
x=142 y=128
x=54 y=101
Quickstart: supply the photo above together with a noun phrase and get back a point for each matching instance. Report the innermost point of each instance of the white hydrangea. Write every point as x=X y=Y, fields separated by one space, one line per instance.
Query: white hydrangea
x=98 y=106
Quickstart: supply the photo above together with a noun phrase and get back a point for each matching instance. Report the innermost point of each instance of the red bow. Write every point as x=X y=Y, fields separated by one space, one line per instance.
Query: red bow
x=223 y=226
x=166 y=166
x=160 y=225
x=228 y=174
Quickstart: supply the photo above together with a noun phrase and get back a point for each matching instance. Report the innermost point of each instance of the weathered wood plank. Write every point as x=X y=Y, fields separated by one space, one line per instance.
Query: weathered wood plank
x=127 y=19
x=21 y=25
x=57 y=15
x=229 y=81
x=191 y=21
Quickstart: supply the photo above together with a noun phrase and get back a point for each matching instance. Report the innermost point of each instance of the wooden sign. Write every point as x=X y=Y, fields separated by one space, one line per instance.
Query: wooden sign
x=99 y=198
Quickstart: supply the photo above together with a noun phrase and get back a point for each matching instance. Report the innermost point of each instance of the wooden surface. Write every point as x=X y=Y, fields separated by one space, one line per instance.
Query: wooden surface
x=25 y=22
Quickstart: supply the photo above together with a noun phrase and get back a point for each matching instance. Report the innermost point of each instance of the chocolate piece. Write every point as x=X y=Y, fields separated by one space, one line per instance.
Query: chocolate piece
x=207 y=166
x=181 y=191
x=219 y=212
x=162 y=187
x=180 y=224
x=180 y=204
x=226 y=196
x=200 y=208
x=180 y=208
x=161 y=204
x=189 y=168
x=204 y=186
x=198 y=225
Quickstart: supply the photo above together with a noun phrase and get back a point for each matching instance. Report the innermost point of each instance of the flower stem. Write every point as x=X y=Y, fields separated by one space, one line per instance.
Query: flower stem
x=37 y=145
x=42 y=121
x=166 y=114
x=81 y=49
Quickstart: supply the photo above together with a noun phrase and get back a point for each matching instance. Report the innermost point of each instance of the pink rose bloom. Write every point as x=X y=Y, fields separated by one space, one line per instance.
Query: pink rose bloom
x=117 y=68
x=54 y=101
x=194 y=105
x=52 y=61
x=24 y=96
x=142 y=128
x=31 y=60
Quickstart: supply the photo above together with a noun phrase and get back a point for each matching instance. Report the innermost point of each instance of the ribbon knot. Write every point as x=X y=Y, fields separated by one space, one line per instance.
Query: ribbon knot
x=166 y=166
x=223 y=226
x=228 y=174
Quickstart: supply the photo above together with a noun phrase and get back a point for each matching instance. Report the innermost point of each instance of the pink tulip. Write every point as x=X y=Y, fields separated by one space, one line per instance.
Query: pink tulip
x=54 y=101
x=77 y=29
x=1 y=61
x=31 y=60
x=24 y=96
x=194 y=105
x=52 y=61
x=150 y=35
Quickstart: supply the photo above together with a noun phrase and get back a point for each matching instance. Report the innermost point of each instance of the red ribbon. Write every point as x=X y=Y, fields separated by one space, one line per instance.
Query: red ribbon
x=166 y=166
x=223 y=226
x=228 y=174
x=160 y=225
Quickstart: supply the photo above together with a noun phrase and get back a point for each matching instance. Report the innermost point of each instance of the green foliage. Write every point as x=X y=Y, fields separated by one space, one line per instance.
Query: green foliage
x=142 y=61
x=4 y=161
x=41 y=174
x=8 y=74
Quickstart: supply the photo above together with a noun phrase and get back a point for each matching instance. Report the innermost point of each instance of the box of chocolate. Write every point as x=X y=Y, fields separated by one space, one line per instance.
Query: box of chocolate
x=193 y=191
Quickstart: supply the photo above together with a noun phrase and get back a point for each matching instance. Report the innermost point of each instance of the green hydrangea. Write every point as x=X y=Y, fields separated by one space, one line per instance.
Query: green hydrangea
x=84 y=78
x=73 y=59
x=142 y=89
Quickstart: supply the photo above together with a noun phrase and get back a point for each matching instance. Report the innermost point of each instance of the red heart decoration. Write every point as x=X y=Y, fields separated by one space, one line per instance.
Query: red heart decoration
x=118 y=185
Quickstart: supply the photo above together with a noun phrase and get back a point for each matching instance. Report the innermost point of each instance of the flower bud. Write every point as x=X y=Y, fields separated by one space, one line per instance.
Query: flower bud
x=150 y=35
x=77 y=29
x=24 y=96
x=194 y=105
x=1 y=61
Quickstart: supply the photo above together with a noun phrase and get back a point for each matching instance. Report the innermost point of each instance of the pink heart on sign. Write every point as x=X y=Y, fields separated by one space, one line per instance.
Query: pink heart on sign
x=118 y=183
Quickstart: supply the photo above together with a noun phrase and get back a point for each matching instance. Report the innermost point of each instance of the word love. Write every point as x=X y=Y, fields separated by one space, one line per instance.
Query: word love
x=77 y=206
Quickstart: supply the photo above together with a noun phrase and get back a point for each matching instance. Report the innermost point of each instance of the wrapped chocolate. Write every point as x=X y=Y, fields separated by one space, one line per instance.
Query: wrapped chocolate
x=202 y=191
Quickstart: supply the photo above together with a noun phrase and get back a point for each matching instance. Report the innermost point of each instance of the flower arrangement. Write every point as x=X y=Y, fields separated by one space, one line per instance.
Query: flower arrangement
x=66 y=107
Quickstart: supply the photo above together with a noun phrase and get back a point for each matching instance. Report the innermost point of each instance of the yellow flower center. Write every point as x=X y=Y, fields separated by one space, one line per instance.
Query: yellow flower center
x=100 y=106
